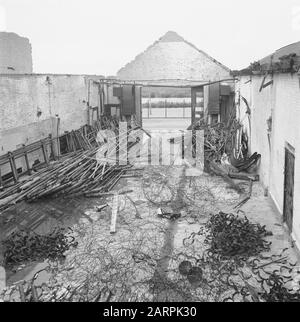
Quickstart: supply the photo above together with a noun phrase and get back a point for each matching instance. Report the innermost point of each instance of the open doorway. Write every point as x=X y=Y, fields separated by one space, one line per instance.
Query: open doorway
x=289 y=171
x=166 y=108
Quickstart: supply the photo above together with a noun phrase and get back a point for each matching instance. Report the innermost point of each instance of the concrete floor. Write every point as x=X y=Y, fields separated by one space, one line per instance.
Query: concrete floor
x=140 y=261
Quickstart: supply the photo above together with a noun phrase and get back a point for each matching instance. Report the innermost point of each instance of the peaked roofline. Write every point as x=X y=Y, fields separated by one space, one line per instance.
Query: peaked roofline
x=207 y=55
x=183 y=40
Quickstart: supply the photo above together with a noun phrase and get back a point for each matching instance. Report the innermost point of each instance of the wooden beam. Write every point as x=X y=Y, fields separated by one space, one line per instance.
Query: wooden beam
x=68 y=141
x=13 y=167
x=27 y=161
x=114 y=213
x=46 y=158
x=1 y=181
x=268 y=84
x=52 y=147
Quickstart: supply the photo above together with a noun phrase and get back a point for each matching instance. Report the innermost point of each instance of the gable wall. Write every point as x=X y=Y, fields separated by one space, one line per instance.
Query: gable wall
x=173 y=60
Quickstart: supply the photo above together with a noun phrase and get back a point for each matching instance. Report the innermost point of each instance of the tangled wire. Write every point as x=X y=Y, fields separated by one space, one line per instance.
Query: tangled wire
x=278 y=291
x=130 y=265
x=233 y=266
x=231 y=235
x=22 y=246
x=221 y=138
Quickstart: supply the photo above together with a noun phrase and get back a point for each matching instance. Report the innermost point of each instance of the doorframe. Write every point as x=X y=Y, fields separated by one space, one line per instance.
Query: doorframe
x=194 y=91
x=288 y=148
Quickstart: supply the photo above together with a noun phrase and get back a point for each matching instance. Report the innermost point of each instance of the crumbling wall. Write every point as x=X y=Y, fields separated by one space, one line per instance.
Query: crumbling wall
x=15 y=138
x=28 y=101
x=281 y=102
x=15 y=54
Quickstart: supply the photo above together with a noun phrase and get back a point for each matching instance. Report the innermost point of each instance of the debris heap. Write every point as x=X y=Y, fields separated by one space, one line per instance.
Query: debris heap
x=22 y=246
x=230 y=235
x=78 y=174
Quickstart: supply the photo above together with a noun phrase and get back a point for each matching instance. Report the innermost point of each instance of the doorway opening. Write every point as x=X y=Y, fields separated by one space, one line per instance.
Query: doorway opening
x=289 y=171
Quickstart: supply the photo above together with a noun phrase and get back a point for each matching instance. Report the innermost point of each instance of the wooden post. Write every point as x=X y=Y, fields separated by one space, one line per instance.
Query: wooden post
x=88 y=114
x=193 y=105
x=98 y=113
x=57 y=137
x=46 y=158
x=52 y=147
x=13 y=167
x=1 y=181
x=114 y=213
x=182 y=146
x=26 y=160
x=166 y=110
x=68 y=141
x=160 y=150
x=72 y=142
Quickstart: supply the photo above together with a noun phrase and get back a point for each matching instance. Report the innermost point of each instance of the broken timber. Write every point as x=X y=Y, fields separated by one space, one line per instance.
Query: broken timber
x=114 y=213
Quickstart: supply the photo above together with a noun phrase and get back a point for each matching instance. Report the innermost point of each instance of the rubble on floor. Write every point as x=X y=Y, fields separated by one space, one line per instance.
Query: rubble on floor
x=154 y=258
x=176 y=237
x=23 y=246
x=234 y=235
x=87 y=169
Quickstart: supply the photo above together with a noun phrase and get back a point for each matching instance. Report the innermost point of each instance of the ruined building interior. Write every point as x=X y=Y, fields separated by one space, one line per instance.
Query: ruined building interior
x=175 y=180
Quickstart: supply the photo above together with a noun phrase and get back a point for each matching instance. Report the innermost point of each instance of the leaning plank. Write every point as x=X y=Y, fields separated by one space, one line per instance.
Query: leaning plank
x=13 y=167
x=219 y=171
x=1 y=181
x=114 y=214
x=248 y=196
x=244 y=176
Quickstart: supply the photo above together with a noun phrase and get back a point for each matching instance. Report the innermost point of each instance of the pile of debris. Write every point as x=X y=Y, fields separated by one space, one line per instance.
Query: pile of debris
x=89 y=167
x=278 y=292
x=230 y=235
x=236 y=265
x=23 y=247
x=226 y=152
x=222 y=138
x=80 y=174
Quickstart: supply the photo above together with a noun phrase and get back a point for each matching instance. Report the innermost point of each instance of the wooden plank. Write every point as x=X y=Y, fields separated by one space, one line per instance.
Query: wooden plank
x=13 y=167
x=46 y=158
x=1 y=181
x=114 y=214
x=52 y=147
x=263 y=82
x=268 y=84
x=68 y=141
x=242 y=176
x=27 y=161
x=71 y=141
